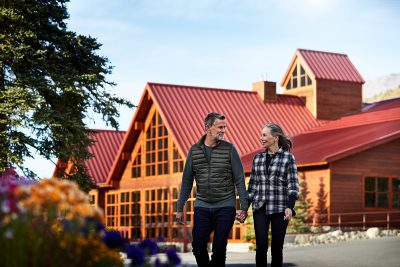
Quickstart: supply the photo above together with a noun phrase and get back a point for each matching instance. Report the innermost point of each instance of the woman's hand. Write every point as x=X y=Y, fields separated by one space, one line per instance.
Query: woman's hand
x=288 y=214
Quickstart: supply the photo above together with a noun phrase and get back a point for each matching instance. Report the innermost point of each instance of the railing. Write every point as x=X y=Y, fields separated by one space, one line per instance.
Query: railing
x=375 y=218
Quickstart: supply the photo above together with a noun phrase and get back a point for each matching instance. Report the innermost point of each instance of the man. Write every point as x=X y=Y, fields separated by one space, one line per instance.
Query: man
x=216 y=166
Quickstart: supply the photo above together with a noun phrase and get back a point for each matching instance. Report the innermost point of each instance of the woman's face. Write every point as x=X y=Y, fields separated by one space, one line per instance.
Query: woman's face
x=267 y=139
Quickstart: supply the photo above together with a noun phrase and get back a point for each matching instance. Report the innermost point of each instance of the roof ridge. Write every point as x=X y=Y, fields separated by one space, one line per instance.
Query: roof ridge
x=200 y=87
x=106 y=130
x=322 y=52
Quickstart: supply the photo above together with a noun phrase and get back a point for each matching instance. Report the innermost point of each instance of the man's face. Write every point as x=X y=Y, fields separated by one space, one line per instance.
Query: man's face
x=217 y=130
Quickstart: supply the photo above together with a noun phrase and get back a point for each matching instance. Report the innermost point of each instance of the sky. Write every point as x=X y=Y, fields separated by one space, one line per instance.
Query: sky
x=228 y=44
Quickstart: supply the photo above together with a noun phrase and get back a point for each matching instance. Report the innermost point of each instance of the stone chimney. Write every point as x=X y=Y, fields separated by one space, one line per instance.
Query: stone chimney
x=266 y=90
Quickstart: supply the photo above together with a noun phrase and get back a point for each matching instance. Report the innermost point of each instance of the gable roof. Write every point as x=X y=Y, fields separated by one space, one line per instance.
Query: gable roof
x=104 y=149
x=326 y=66
x=183 y=108
x=345 y=136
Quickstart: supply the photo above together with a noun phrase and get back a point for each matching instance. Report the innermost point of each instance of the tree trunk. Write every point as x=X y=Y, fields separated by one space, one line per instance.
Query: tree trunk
x=4 y=144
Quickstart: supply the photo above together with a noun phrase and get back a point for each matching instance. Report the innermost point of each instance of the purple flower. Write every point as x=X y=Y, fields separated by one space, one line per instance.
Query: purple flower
x=136 y=254
x=149 y=246
x=173 y=258
x=113 y=239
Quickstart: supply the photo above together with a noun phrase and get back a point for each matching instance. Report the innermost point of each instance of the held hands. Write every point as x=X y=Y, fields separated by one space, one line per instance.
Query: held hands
x=179 y=218
x=288 y=214
x=241 y=215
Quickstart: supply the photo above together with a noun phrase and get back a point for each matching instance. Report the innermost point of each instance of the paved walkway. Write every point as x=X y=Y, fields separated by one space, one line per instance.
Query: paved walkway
x=383 y=251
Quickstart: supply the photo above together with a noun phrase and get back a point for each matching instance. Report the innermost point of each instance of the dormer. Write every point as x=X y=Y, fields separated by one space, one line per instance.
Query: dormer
x=328 y=83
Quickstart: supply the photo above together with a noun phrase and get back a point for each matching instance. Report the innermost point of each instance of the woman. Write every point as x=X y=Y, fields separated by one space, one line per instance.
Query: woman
x=273 y=190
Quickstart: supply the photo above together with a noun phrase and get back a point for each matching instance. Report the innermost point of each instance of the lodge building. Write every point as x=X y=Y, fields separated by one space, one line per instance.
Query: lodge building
x=352 y=148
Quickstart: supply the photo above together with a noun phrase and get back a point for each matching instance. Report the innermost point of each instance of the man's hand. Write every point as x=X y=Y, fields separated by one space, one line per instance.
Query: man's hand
x=179 y=218
x=241 y=215
x=288 y=214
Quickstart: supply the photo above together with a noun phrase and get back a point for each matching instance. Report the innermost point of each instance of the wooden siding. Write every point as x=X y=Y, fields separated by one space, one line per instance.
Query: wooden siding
x=347 y=185
x=313 y=180
x=335 y=99
x=347 y=174
x=307 y=94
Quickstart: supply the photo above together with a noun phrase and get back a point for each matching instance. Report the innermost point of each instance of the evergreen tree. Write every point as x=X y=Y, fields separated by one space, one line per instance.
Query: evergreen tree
x=301 y=222
x=321 y=209
x=51 y=80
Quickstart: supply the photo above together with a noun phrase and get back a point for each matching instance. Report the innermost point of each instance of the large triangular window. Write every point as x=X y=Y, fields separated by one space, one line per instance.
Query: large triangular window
x=298 y=78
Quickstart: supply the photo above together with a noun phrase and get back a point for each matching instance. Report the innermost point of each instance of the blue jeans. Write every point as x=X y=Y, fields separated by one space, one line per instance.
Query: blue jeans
x=278 y=232
x=206 y=221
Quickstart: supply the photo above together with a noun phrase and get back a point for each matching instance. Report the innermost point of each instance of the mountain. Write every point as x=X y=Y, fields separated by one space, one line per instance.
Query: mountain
x=380 y=85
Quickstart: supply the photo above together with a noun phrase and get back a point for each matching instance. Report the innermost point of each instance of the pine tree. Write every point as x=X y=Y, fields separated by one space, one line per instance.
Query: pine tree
x=51 y=80
x=321 y=209
x=300 y=222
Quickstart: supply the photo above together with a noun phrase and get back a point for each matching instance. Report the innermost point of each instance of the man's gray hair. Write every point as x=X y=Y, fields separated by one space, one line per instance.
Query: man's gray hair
x=211 y=117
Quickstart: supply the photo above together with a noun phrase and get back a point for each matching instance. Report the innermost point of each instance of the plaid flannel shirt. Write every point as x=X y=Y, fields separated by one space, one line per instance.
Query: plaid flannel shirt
x=273 y=186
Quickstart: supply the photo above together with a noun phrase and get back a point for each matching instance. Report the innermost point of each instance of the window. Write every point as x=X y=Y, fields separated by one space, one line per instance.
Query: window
x=294 y=77
x=156 y=213
x=136 y=165
x=111 y=210
x=177 y=160
x=298 y=77
x=381 y=192
x=156 y=147
x=396 y=193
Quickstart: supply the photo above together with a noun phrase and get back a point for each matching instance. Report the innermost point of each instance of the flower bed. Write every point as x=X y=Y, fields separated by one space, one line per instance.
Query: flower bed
x=50 y=223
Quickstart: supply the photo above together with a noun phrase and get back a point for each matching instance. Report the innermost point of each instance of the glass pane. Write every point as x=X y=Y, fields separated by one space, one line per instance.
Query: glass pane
x=159 y=169
x=302 y=70
x=383 y=184
x=288 y=85
x=396 y=201
x=369 y=200
x=294 y=82
x=303 y=81
x=369 y=184
x=383 y=200
x=165 y=168
x=396 y=185
x=294 y=73
x=308 y=80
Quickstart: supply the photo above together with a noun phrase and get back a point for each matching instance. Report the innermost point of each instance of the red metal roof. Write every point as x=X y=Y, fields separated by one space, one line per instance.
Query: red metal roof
x=344 y=136
x=104 y=149
x=326 y=66
x=183 y=109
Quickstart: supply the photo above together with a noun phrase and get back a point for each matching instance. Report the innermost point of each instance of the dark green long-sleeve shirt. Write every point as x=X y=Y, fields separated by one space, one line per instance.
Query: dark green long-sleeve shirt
x=238 y=176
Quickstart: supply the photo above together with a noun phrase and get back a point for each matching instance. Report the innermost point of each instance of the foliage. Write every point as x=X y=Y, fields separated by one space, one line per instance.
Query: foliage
x=300 y=223
x=50 y=223
x=321 y=208
x=51 y=80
